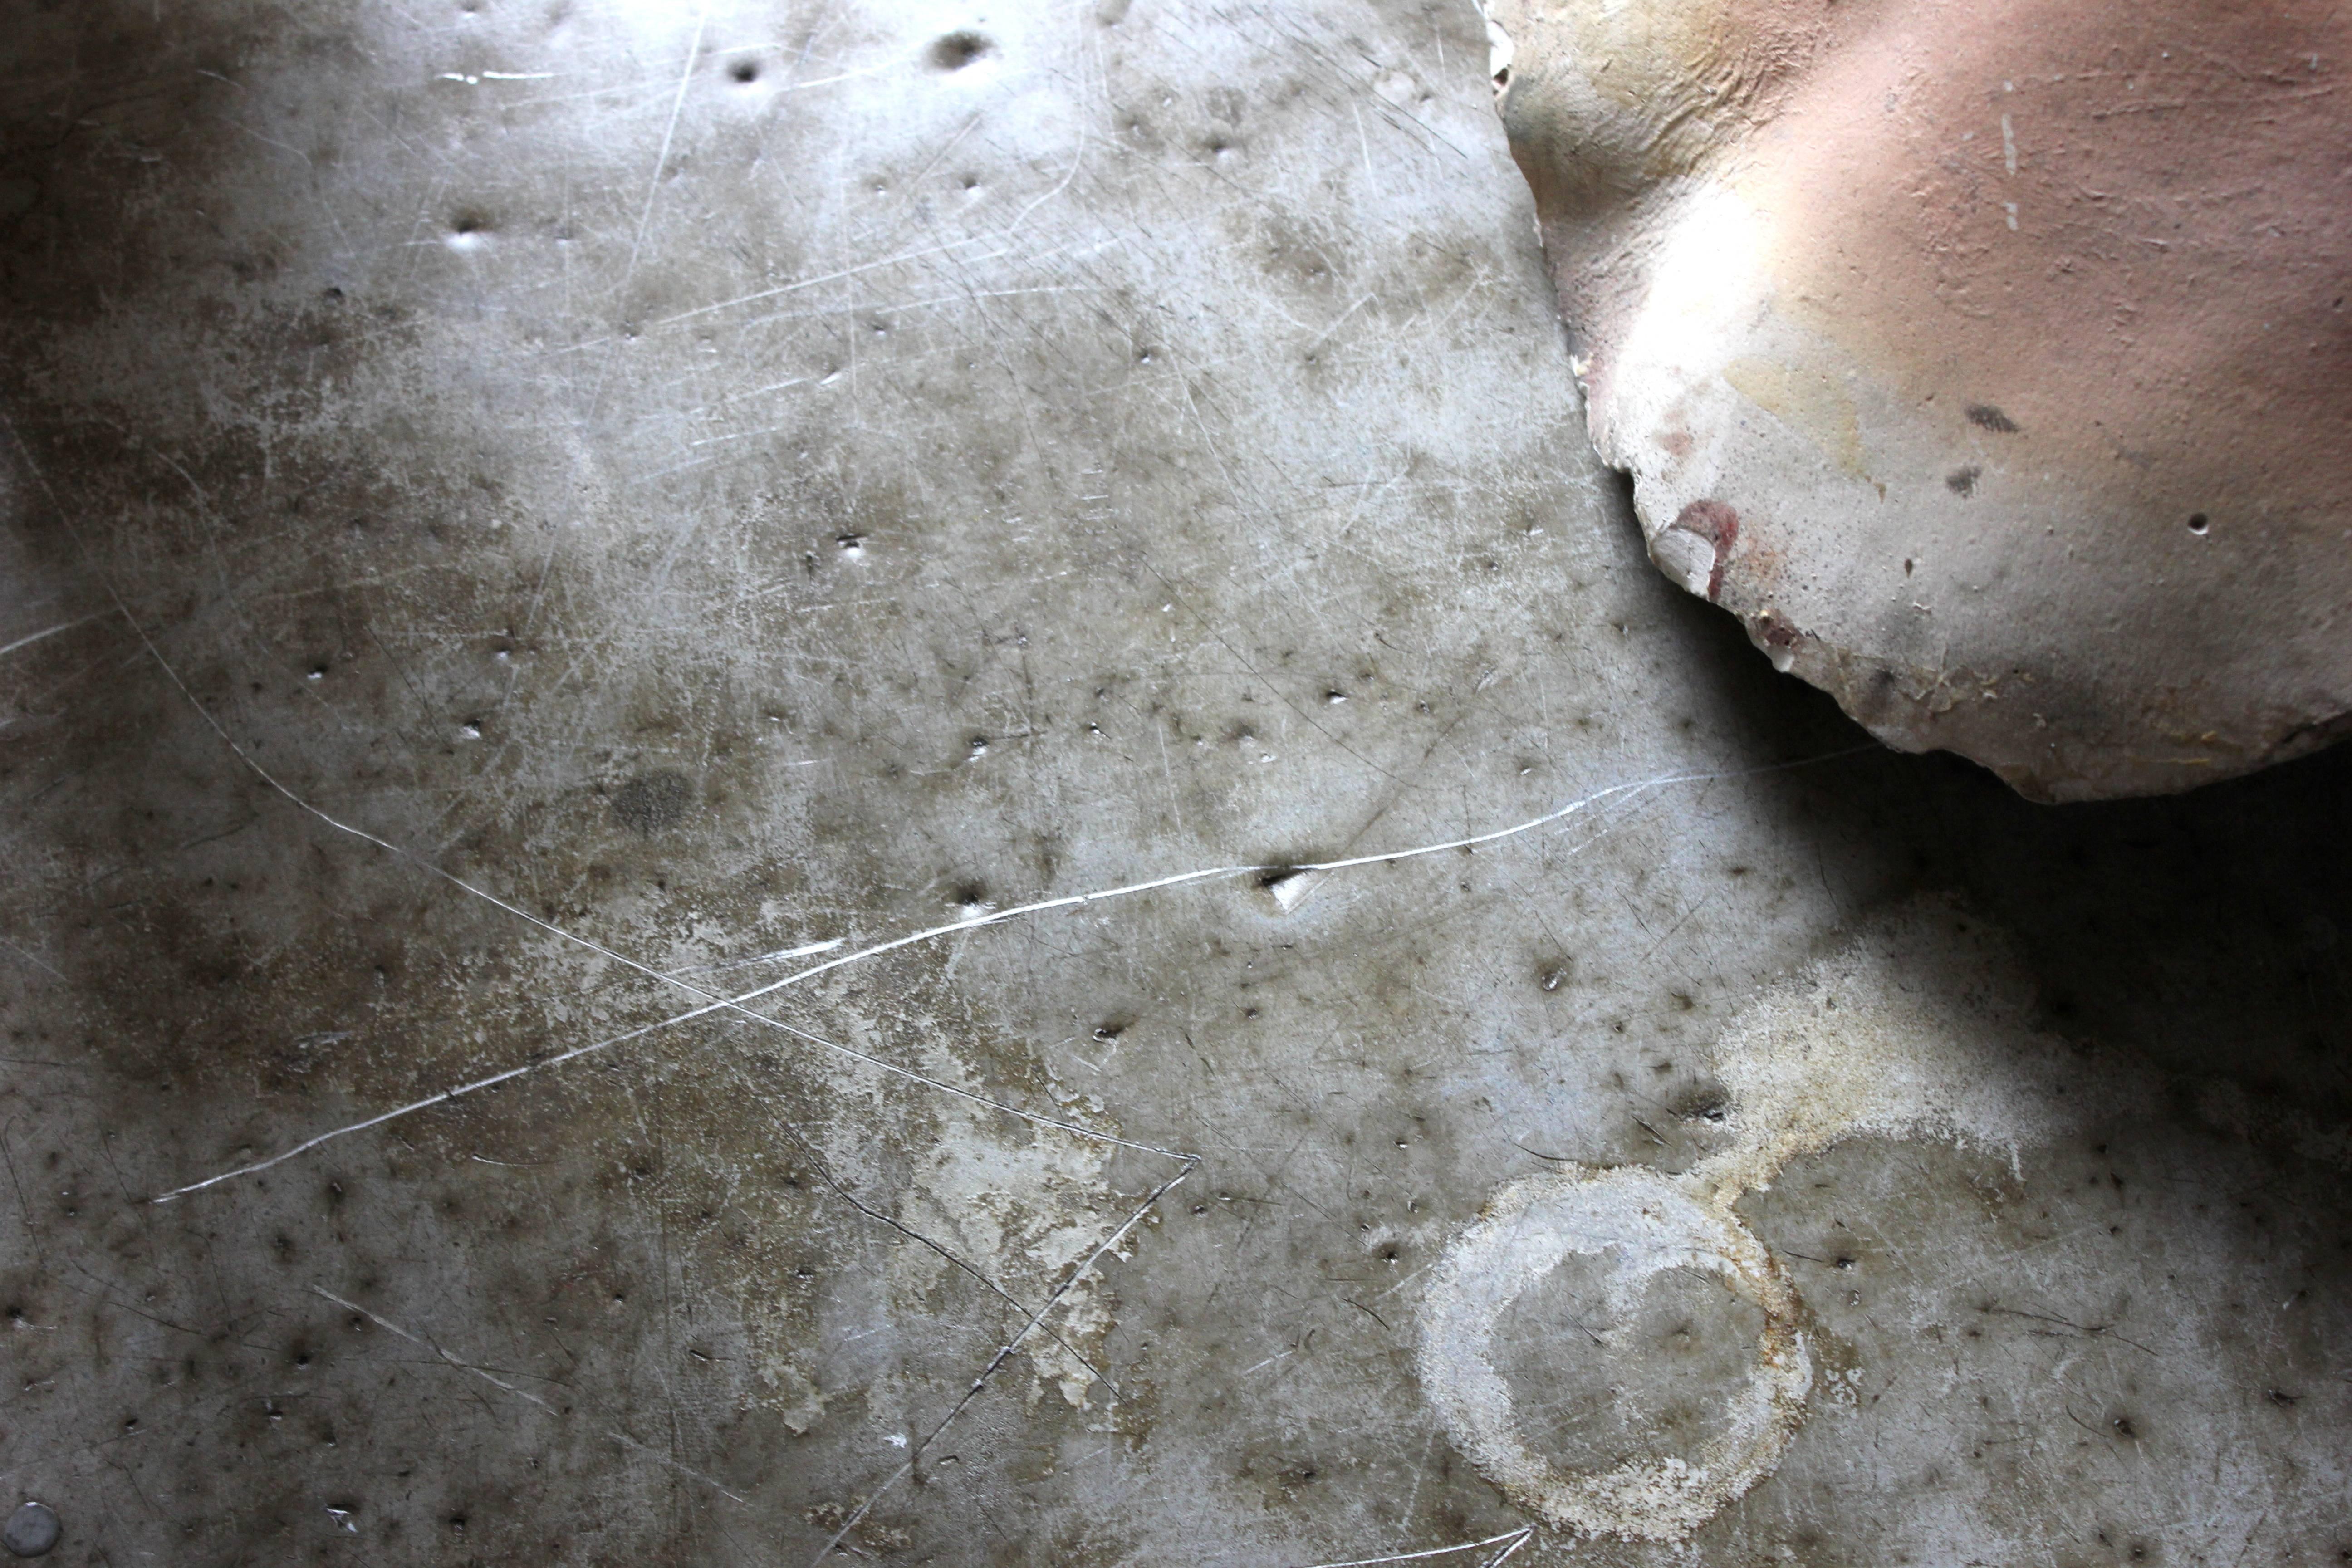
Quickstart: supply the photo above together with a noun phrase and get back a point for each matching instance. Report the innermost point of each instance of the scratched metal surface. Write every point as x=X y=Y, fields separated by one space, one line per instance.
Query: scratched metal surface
x=526 y=523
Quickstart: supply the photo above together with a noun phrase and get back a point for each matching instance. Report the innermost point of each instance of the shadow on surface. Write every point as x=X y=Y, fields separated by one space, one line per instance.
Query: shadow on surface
x=2210 y=930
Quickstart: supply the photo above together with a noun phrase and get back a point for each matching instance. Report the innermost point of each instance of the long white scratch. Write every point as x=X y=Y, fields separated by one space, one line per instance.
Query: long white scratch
x=28 y=957
x=717 y=1005
x=737 y=1004
x=829 y=80
x=804 y=951
x=685 y=79
x=1506 y=1555
x=738 y=436
x=1317 y=341
x=627 y=87
x=496 y=1382
x=1077 y=161
x=1516 y=1539
x=924 y=172
x=7 y=648
x=799 y=284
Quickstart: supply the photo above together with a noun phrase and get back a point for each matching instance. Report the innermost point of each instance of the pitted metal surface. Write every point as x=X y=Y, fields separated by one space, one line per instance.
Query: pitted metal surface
x=545 y=543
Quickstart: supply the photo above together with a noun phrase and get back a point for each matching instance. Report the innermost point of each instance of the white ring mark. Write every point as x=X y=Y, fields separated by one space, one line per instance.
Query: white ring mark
x=1645 y=1223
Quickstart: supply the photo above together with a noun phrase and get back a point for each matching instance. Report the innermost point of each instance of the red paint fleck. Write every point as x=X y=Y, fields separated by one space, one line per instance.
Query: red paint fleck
x=1720 y=526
